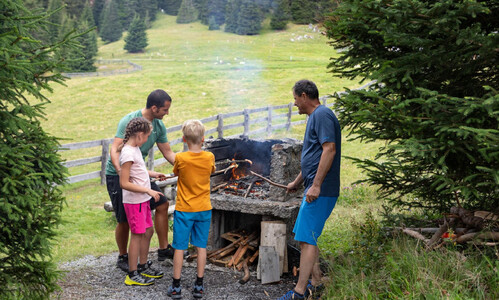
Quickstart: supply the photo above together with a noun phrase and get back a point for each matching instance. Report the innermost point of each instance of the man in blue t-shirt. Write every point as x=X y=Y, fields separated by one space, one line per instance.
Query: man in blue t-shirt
x=320 y=175
x=157 y=106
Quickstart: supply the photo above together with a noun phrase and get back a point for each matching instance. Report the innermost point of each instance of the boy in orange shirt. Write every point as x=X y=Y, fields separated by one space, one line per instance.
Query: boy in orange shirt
x=192 y=215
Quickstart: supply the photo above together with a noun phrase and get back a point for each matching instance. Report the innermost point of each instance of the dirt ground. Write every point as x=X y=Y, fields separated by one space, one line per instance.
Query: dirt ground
x=99 y=278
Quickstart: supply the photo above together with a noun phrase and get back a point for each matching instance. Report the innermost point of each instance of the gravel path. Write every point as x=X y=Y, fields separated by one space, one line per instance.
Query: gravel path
x=98 y=278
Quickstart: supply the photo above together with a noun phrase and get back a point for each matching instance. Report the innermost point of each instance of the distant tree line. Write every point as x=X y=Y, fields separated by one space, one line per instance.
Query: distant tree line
x=113 y=17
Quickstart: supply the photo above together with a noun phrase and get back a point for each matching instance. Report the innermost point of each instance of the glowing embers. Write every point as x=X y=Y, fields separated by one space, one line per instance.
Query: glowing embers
x=241 y=181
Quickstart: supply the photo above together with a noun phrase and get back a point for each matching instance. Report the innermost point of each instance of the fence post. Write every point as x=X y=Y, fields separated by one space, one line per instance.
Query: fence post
x=150 y=159
x=290 y=111
x=246 y=122
x=269 y=120
x=104 y=158
x=220 y=128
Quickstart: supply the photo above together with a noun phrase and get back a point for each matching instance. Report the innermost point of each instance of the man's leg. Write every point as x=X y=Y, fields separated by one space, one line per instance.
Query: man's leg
x=161 y=224
x=121 y=235
x=160 y=217
x=308 y=261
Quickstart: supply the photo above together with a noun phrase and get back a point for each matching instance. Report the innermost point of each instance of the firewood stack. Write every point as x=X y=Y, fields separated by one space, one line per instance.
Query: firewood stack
x=461 y=226
x=242 y=250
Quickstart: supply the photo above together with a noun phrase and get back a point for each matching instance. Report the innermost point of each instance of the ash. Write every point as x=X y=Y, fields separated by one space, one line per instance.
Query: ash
x=98 y=278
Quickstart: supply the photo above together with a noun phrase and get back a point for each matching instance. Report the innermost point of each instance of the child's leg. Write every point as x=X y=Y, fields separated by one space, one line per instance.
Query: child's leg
x=201 y=262
x=178 y=260
x=144 y=245
x=133 y=251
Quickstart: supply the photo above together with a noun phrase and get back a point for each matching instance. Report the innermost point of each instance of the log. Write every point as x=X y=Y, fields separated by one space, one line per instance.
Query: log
x=459 y=230
x=246 y=276
x=255 y=255
x=415 y=234
x=237 y=257
x=467 y=217
x=490 y=235
x=226 y=247
x=437 y=235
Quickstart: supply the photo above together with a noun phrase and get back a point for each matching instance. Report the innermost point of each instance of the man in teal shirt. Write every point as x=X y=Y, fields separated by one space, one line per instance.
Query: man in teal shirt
x=157 y=106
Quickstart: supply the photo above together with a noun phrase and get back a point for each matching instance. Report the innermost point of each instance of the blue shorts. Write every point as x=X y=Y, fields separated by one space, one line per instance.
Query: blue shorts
x=311 y=219
x=193 y=225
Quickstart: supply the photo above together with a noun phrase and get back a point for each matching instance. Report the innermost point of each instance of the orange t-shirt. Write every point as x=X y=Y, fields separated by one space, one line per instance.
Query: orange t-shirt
x=193 y=185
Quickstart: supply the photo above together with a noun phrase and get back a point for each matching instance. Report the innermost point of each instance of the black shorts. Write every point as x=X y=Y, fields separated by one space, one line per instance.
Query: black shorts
x=116 y=195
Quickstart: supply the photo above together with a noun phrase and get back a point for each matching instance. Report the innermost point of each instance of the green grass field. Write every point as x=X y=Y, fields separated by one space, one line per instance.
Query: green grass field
x=212 y=72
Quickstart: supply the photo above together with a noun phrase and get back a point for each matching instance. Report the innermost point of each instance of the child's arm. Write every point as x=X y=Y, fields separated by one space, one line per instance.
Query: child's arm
x=127 y=185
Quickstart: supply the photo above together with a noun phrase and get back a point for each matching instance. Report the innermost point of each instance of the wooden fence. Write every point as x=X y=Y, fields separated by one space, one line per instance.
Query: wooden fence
x=275 y=118
x=133 y=68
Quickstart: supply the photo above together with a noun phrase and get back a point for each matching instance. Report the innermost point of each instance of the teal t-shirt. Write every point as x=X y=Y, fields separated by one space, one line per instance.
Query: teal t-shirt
x=158 y=135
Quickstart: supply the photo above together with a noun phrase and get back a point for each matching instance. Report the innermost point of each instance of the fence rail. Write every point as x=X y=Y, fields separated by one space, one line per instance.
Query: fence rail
x=134 y=67
x=269 y=123
x=282 y=119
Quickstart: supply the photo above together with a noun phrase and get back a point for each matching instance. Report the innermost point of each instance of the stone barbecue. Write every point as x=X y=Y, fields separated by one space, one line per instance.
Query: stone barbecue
x=241 y=199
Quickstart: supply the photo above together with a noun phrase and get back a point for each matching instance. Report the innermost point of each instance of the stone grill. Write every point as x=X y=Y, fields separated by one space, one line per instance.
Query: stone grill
x=275 y=159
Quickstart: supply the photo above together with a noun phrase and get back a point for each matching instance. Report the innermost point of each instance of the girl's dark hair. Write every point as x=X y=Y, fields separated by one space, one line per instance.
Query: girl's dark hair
x=135 y=126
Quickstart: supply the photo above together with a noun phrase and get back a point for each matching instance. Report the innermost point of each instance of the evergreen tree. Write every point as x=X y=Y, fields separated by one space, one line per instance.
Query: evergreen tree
x=212 y=24
x=97 y=8
x=232 y=15
x=170 y=7
x=88 y=50
x=303 y=11
x=30 y=167
x=187 y=12
x=280 y=15
x=75 y=8
x=111 y=28
x=87 y=15
x=435 y=105
x=250 y=18
x=136 y=40
x=55 y=19
x=216 y=11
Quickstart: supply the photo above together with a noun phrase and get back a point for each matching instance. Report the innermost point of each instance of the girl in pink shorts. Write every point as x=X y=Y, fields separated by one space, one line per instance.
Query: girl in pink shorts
x=136 y=185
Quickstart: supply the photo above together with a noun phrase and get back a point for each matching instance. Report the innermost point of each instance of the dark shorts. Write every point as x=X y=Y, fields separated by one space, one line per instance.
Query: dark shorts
x=116 y=195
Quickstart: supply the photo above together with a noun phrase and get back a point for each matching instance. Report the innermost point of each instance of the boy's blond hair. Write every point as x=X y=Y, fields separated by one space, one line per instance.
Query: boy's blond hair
x=193 y=131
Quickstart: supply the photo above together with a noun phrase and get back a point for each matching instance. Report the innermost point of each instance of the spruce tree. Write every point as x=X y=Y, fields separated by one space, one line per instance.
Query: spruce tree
x=87 y=15
x=136 y=40
x=111 y=27
x=216 y=12
x=170 y=7
x=250 y=18
x=31 y=169
x=280 y=15
x=435 y=104
x=232 y=15
x=303 y=11
x=55 y=19
x=97 y=8
x=187 y=13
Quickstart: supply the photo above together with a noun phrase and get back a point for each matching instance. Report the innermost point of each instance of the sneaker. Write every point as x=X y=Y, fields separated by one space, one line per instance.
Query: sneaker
x=314 y=292
x=166 y=253
x=198 y=291
x=149 y=271
x=292 y=295
x=122 y=262
x=137 y=279
x=174 y=292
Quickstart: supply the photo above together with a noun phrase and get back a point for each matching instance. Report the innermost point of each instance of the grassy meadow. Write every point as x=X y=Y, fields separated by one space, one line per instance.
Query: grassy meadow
x=212 y=72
